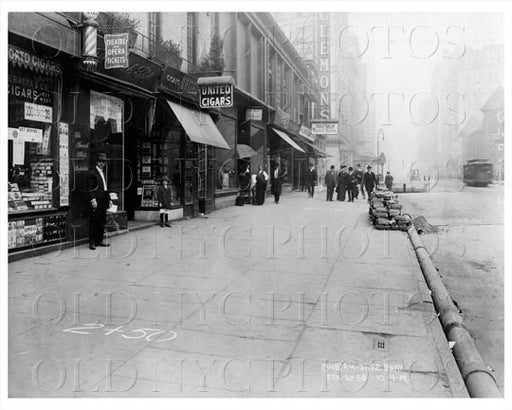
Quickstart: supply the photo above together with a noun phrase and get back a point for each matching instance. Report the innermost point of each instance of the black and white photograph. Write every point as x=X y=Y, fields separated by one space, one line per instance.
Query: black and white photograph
x=259 y=200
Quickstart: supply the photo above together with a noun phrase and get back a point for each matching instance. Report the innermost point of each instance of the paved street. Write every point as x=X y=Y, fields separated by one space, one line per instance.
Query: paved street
x=300 y=299
x=468 y=251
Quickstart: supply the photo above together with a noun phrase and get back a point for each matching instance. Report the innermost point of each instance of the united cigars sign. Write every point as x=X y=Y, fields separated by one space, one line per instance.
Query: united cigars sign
x=215 y=95
x=216 y=92
x=116 y=50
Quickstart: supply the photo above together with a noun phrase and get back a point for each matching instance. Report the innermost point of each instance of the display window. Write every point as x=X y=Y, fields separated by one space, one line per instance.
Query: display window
x=32 y=162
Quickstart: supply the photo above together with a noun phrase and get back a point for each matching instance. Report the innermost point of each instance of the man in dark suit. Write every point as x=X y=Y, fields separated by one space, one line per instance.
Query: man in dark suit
x=311 y=181
x=341 y=189
x=369 y=181
x=330 y=182
x=99 y=202
x=277 y=181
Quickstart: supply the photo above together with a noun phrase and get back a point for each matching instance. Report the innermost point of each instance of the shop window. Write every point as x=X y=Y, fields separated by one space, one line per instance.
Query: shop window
x=31 y=157
x=226 y=172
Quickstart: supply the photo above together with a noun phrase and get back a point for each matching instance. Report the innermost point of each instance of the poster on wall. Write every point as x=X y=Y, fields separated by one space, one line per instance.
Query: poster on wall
x=106 y=107
x=64 y=163
x=149 y=196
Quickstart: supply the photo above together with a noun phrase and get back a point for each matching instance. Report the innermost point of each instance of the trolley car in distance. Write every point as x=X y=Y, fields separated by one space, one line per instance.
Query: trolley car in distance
x=478 y=172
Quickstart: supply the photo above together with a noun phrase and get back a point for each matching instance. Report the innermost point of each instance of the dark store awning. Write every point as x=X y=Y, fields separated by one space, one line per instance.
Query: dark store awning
x=199 y=126
x=285 y=137
x=318 y=151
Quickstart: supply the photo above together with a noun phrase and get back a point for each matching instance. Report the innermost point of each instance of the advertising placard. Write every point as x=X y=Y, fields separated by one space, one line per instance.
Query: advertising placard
x=116 y=50
x=36 y=112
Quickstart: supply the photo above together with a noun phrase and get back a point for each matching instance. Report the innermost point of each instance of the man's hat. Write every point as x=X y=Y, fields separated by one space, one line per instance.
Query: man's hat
x=101 y=156
x=369 y=167
x=165 y=179
x=343 y=166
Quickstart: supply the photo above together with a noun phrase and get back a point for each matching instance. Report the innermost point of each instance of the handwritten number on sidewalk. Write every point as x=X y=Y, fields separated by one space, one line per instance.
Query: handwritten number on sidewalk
x=149 y=334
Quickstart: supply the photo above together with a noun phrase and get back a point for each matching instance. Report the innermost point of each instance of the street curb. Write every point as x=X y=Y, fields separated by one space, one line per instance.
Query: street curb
x=479 y=381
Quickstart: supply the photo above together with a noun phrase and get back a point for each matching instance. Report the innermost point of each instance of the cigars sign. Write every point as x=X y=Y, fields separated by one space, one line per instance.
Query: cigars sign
x=216 y=92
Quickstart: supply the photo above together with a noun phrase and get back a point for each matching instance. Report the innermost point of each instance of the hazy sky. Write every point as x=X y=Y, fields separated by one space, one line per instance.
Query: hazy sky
x=405 y=64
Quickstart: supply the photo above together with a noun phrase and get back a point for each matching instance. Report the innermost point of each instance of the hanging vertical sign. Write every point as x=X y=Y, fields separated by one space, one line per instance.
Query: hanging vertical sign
x=64 y=163
x=324 y=64
x=116 y=50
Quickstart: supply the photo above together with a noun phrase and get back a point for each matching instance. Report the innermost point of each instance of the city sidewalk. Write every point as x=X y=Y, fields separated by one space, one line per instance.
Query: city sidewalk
x=299 y=299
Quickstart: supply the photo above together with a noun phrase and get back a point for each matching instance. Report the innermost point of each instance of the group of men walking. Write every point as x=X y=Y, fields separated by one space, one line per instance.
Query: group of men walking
x=349 y=181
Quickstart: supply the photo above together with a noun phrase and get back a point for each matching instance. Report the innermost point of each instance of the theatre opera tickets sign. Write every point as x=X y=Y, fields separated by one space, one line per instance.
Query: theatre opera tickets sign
x=215 y=95
x=116 y=50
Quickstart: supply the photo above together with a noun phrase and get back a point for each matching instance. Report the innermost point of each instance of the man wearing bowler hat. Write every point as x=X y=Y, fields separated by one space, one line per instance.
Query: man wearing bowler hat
x=369 y=181
x=99 y=201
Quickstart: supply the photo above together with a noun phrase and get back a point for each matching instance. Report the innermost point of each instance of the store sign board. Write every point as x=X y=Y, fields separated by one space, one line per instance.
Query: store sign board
x=326 y=128
x=31 y=61
x=254 y=114
x=216 y=95
x=176 y=81
x=305 y=132
x=116 y=50
x=36 y=112
x=140 y=71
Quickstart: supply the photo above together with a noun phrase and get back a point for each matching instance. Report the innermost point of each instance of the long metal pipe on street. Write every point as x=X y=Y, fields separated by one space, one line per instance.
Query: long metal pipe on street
x=479 y=381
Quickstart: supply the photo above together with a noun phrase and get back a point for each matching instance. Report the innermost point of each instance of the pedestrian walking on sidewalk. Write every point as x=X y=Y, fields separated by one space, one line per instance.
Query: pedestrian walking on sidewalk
x=311 y=181
x=369 y=181
x=341 y=189
x=330 y=182
x=164 y=197
x=261 y=185
x=388 y=181
x=351 y=184
x=277 y=181
x=99 y=202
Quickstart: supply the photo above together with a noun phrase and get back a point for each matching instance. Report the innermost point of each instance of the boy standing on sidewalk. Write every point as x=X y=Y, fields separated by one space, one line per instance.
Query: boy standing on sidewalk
x=164 y=197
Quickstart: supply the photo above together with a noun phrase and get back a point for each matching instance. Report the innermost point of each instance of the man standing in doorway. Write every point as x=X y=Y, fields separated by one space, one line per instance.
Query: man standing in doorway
x=330 y=182
x=99 y=202
x=369 y=181
x=277 y=181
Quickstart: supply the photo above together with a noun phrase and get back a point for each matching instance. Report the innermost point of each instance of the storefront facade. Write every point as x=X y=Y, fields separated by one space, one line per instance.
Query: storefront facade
x=38 y=130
